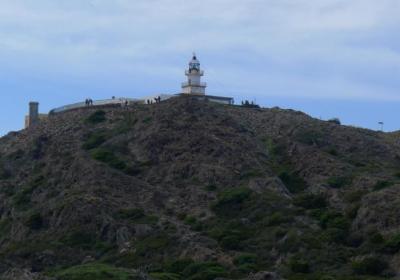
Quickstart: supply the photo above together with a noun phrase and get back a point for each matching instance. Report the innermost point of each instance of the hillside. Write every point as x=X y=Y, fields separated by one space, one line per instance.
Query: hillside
x=187 y=189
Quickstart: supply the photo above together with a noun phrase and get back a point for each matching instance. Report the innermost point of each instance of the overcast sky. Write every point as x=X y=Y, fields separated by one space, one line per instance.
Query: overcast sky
x=329 y=58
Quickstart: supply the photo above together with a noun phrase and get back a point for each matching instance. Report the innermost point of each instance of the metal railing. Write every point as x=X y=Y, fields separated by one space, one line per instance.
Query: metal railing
x=186 y=84
x=95 y=103
x=201 y=72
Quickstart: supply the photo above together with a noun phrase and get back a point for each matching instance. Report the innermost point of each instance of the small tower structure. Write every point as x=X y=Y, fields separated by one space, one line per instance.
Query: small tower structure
x=33 y=116
x=194 y=74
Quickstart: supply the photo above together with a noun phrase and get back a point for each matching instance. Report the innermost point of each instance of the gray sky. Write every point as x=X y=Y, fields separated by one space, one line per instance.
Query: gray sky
x=329 y=58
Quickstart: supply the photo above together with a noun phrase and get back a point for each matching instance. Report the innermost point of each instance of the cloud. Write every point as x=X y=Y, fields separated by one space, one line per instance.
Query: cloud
x=297 y=47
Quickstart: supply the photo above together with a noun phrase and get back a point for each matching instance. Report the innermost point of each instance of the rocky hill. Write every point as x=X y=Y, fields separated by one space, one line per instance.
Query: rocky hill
x=187 y=189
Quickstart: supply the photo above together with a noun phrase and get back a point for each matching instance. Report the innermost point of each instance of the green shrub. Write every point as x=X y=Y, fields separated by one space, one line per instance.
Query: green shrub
x=79 y=239
x=23 y=198
x=94 y=272
x=181 y=216
x=34 y=221
x=339 y=182
x=97 y=117
x=4 y=173
x=277 y=218
x=127 y=259
x=369 y=266
x=230 y=235
x=376 y=237
x=293 y=182
x=299 y=266
x=335 y=224
x=274 y=149
x=154 y=243
x=310 y=201
x=95 y=140
x=309 y=137
x=231 y=199
x=230 y=242
x=245 y=259
x=380 y=185
x=177 y=266
x=147 y=120
x=336 y=235
x=132 y=170
x=392 y=245
x=131 y=213
x=165 y=276
x=352 y=210
x=292 y=243
x=204 y=271
x=136 y=215
x=354 y=240
x=247 y=268
x=333 y=152
x=107 y=156
x=5 y=227
x=190 y=220
x=354 y=196
x=8 y=190
x=234 y=196
x=338 y=222
x=16 y=155
x=251 y=174
x=193 y=223
x=211 y=188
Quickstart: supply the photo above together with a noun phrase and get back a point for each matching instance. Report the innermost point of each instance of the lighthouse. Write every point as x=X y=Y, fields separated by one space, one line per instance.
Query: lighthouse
x=194 y=74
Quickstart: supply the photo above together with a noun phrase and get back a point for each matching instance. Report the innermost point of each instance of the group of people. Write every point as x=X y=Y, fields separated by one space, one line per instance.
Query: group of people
x=156 y=100
x=251 y=104
x=125 y=102
x=89 y=102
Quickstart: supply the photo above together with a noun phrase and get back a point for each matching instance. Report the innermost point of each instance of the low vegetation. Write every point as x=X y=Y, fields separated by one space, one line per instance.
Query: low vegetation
x=95 y=139
x=97 y=117
x=136 y=215
x=392 y=244
x=293 y=181
x=35 y=221
x=383 y=184
x=339 y=182
x=107 y=156
x=310 y=201
x=95 y=272
x=369 y=266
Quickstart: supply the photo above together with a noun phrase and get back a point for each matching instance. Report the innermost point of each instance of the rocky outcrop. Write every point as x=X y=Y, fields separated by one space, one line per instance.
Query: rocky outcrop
x=21 y=274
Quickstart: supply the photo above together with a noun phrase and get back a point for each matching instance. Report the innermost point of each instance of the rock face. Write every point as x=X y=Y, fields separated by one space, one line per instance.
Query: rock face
x=196 y=190
x=20 y=274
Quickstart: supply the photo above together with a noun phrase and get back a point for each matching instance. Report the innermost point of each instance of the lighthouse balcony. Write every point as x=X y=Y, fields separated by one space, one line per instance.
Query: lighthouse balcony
x=191 y=72
x=191 y=84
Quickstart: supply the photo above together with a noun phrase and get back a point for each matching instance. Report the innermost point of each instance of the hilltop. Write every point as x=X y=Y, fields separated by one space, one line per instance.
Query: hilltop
x=188 y=189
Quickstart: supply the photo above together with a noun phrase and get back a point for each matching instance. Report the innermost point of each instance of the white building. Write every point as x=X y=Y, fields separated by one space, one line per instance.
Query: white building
x=194 y=74
x=196 y=88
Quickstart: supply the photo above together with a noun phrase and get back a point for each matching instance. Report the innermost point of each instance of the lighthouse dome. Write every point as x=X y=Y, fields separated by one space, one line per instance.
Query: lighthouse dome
x=194 y=64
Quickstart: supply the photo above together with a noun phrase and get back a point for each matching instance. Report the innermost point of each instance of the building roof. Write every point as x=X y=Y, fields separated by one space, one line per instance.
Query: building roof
x=219 y=97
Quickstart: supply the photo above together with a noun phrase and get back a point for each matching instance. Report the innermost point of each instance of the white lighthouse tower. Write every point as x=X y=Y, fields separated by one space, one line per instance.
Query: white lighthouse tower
x=194 y=74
